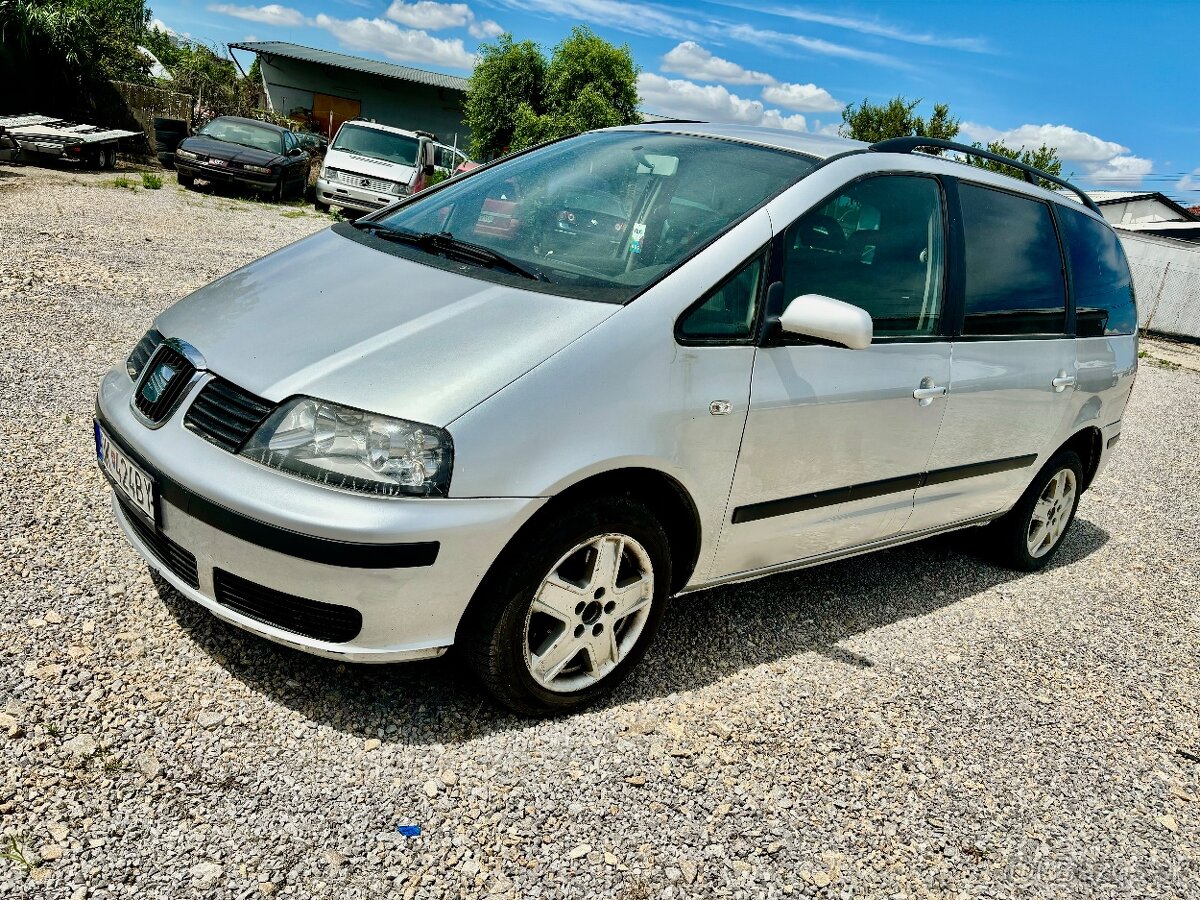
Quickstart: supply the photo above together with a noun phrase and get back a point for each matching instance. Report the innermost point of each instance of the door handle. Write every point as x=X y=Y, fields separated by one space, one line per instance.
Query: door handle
x=1063 y=381
x=928 y=391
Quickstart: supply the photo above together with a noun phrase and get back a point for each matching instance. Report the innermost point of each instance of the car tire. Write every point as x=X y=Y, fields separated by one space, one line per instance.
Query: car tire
x=1029 y=534
x=548 y=599
x=320 y=207
x=187 y=181
x=108 y=158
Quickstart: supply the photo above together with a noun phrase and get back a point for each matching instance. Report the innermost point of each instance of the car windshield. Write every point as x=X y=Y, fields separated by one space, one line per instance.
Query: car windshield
x=385 y=145
x=244 y=133
x=604 y=215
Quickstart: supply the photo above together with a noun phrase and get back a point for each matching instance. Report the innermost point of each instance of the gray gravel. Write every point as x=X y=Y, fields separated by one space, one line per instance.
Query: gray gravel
x=916 y=723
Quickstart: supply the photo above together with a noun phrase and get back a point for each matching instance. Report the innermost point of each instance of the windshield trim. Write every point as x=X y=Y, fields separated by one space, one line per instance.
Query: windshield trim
x=557 y=287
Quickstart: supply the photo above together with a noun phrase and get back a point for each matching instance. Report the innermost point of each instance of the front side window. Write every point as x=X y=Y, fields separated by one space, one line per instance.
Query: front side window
x=1014 y=271
x=604 y=215
x=1100 y=276
x=384 y=145
x=726 y=313
x=879 y=245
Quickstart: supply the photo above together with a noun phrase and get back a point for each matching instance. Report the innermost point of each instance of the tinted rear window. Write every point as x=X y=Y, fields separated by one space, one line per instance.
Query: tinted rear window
x=1014 y=277
x=1099 y=277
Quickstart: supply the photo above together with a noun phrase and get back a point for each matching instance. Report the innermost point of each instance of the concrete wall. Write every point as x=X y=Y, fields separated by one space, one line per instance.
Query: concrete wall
x=1166 y=279
x=291 y=83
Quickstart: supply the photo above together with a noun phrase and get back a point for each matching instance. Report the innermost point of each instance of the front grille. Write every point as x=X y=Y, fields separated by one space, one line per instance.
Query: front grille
x=180 y=562
x=226 y=415
x=309 y=618
x=163 y=383
x=141 y=353
x=378 y=185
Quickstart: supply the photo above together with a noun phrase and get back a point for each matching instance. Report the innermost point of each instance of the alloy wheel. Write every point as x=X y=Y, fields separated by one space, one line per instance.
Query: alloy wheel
x=588 y=612
x=1052 y=513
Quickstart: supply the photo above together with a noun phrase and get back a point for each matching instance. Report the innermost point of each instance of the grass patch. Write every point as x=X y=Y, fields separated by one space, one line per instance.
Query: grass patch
x=294 y=214
x=15 y=850
x=121 y=181
x=151 y=182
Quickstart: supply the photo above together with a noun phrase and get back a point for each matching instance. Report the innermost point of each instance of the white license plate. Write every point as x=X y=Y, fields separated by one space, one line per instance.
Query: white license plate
x=130 y=480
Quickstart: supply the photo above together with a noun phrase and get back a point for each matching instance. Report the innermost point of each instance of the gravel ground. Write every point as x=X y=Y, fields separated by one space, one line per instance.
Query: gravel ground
x=915 y=723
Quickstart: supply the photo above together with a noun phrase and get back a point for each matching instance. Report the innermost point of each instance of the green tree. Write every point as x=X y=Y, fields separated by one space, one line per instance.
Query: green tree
x=516 y=98
x=1044 y=158
x=508 y=86
x=873 y=122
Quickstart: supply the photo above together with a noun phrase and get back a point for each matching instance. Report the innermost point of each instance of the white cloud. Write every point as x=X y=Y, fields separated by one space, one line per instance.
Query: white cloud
x=637 y=18
x=429 y=15
x=271 y=14
x=486 y=29
x=760 y=36
x=399 y=44
x=802 y=98
x=160 y=25
x=1189 y=182
x=693 y=61
x=873 y=27
x=712 y=103
x=1101 y=161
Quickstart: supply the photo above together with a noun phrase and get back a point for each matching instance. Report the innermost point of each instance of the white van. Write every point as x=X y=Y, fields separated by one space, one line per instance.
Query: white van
x=369 y=165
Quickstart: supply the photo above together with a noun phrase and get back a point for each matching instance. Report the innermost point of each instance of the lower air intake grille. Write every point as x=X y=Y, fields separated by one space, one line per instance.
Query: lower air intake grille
x=181 y=563
x=163 y=383
x=225 y=414
x=310 y=618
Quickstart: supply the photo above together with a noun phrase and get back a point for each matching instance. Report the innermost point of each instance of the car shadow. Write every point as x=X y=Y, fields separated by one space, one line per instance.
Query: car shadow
x=704 y=637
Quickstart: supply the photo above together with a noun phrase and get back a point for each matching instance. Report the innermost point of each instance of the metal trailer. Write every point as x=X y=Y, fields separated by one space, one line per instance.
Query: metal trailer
x=39 y=135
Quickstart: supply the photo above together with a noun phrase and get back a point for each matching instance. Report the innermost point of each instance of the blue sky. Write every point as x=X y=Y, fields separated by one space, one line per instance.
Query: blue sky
x=1104 y=82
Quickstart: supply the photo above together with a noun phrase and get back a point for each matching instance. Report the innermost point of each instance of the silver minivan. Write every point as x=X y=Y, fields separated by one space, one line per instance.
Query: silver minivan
x=518 y=412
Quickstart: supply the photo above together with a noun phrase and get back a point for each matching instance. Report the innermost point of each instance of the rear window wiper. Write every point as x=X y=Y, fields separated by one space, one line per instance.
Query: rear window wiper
x=446 y=244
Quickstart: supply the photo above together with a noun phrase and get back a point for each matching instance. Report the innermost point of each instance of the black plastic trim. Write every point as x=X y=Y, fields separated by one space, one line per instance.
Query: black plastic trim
x=1032 y=174
x=1112 y=440
x=314 y=619
x=327 y=551
x=787 y=505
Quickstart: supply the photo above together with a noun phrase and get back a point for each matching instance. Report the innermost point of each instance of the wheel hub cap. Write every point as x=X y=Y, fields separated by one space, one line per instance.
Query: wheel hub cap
x=1051 y=513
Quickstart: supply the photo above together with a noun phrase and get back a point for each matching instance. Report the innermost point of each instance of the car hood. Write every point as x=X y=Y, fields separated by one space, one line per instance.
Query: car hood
x=225 y=150
x=366 y=165
x=331 y=318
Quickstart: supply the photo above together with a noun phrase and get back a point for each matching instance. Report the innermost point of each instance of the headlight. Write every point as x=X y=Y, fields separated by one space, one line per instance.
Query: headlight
x=354 y=450
x=185 y=154
x=142 y=352
x=399 y=189
x=261 y=170
x=327 y=172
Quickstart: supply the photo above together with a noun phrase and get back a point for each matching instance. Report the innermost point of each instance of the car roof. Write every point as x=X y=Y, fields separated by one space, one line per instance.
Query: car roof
x=242 y=120
x=822 y=146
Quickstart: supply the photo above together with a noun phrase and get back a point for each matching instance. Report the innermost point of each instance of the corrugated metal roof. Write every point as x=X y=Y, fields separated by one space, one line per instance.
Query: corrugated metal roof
x=353 y=63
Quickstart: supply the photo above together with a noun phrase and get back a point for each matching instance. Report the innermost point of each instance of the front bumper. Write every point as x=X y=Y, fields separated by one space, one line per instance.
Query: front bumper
x=300 y=539
x=225 y=175
x=337 y=193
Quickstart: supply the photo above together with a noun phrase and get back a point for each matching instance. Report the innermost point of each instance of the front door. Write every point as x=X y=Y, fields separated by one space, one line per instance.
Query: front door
x=836 y=442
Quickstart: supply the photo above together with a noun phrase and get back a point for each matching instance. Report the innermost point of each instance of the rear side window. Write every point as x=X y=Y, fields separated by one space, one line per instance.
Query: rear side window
x=1099 y=277
x=1014 y=270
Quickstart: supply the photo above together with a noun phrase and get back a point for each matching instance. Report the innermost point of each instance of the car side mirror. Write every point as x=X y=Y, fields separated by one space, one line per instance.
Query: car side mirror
x=295 y=151
x=427 y=169
x=828 y=320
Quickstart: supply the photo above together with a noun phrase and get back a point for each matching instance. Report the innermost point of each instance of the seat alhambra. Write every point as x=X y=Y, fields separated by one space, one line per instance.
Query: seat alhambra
x=692 y=355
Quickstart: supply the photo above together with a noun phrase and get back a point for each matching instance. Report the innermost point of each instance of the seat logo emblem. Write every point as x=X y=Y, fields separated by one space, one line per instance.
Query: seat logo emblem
x=157 y=381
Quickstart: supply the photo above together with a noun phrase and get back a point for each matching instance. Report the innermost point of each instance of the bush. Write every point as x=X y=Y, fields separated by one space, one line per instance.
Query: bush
x=151 y=182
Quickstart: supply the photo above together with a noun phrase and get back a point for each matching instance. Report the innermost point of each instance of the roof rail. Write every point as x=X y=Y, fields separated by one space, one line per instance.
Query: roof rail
x=909 y=144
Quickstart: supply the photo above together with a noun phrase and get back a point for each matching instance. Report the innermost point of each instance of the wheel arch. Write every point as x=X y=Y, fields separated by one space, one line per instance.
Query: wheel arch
x=666 y=498
x=1088 y=444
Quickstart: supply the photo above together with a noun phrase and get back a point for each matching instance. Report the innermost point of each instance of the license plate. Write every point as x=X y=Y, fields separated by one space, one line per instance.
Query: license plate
x=128 y=478
x=219 y=163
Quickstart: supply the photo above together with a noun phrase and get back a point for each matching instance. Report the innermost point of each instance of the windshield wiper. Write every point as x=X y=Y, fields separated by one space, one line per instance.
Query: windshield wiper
x=446 y=244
